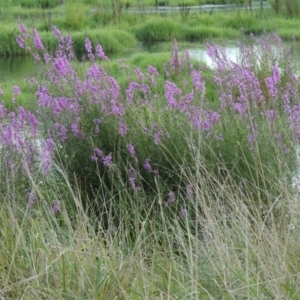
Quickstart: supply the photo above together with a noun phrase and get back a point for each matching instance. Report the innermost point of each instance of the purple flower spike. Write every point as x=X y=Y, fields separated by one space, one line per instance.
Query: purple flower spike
x=56 y=207
x=37 y=40
x=147 y=165
x=183 y=214
x=56 y=32
x=23 y=30
x=107 y=161
x=16 y=90
x=153 y=71
x=171 y=198
x=131 y=150
x=20 y=41
x=100 y=53
x=122 y=128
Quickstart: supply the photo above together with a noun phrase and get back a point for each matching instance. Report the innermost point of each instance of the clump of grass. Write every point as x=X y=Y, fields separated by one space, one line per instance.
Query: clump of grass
x=75 y=15
x=9 y=46
x=157 y=30
x=204 y=33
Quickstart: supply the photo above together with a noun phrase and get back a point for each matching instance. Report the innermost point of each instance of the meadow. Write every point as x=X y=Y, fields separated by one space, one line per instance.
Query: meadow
x=153 y=178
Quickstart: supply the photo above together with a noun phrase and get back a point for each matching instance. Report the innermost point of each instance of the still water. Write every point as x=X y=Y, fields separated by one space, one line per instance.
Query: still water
x=16 y=68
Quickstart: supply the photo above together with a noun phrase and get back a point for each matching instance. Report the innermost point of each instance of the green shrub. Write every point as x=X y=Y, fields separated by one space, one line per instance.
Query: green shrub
x=157 y=30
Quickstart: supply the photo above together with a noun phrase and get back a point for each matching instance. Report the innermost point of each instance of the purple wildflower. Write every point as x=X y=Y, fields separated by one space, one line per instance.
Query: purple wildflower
x=62 y=66
x=153 y=71
x=174 y=60
x=16 y=90
x=147 y=165
x=170 y=90
x=23 y=30
x=132 y=179
x=75 y=129
x=44 y=98
x=122 y=128
x=100 y=53
x=62 y=131
x=157 y=137
x=198 y=85
x=171 y=198
x=37 y=40
x=131 y=150
x=20 y=41
x=56 y=32
x=56 y=207
x=89 y=48
x=183 y=214
x=107 y=161
x=130 y=91
x=139 y=73
x=46 y=155
x=98 y=153
x=31 y=200
x=94 y=158
x=115 y=87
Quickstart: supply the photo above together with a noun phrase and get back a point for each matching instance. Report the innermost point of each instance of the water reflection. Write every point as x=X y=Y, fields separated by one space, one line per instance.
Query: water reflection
x=201 y=54
x=12 y=68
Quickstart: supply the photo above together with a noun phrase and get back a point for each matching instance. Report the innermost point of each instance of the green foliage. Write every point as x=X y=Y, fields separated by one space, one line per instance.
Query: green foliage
x=157 y=30
x=75 y=16
x=8 y=45
x=288 y=8
x=100 y=18
x=241 y=20
x=201 y=33
x=43 y=4
x=112 y=41
x=143 y=60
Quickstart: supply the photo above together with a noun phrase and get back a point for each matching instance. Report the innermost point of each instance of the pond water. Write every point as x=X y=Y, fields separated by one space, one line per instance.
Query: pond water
x=16 y=67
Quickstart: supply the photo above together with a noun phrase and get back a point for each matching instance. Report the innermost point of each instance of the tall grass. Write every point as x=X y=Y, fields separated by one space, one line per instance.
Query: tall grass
x=232 y=251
